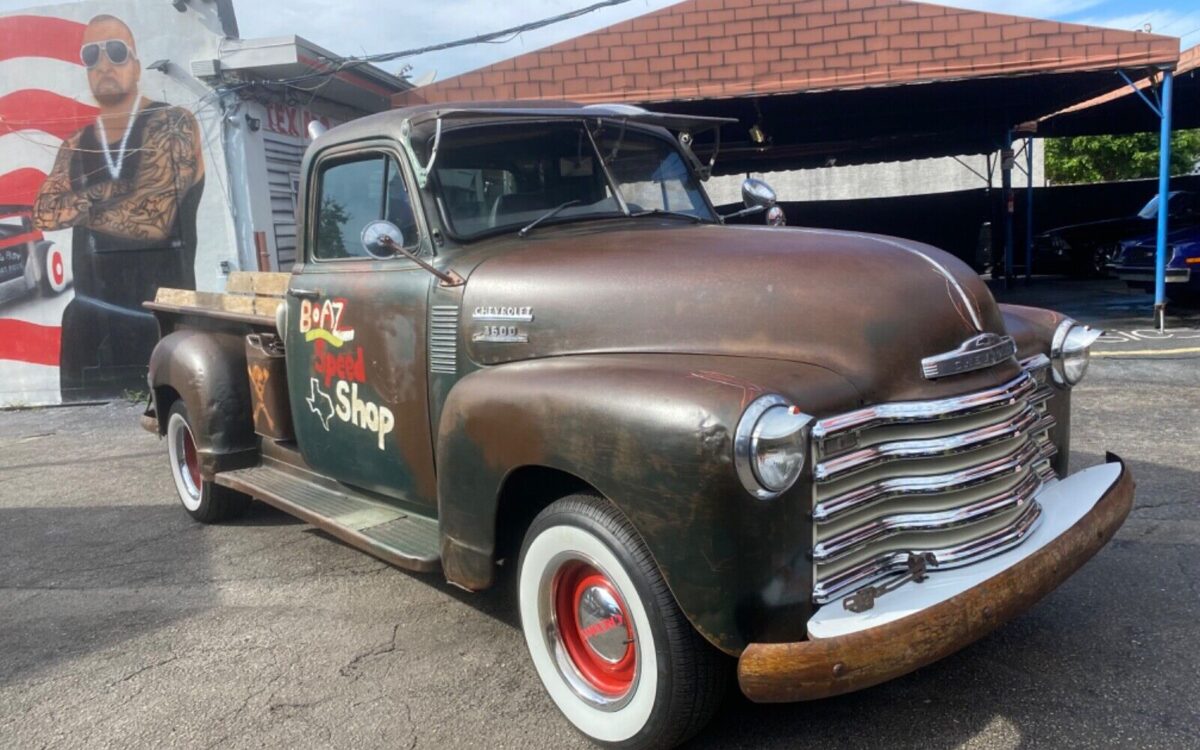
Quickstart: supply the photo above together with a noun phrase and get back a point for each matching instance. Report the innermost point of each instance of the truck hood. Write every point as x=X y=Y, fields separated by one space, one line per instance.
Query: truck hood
x=864 y=306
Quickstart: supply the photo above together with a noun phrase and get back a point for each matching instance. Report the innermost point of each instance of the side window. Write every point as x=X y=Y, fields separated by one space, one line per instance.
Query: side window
x=352 y=194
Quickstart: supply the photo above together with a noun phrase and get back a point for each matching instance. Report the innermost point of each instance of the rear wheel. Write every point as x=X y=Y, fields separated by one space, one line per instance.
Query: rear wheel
x=606 y=637
x=204 y=500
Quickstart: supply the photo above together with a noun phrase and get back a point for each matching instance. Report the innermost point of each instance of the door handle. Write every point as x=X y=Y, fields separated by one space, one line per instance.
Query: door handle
x=303 y=293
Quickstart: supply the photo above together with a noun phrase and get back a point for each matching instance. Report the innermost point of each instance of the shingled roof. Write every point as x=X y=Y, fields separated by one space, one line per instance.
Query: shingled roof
x=710 y=49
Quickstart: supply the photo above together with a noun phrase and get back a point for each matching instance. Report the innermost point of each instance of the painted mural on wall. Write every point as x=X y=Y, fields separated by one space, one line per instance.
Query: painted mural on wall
x=102 y=188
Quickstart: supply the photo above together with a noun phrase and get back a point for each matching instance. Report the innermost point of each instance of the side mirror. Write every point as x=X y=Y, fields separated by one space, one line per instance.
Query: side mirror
x=383 y=240
x=373 y=241
x=756 y=193
x=758 y=197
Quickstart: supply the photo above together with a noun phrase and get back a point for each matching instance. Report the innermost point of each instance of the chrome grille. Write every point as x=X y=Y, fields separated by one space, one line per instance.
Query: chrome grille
x=443 y=339
x=956 y=477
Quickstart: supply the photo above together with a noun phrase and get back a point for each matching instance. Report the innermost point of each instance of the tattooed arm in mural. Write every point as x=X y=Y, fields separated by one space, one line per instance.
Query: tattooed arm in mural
x=143 y=208
x=58 y=205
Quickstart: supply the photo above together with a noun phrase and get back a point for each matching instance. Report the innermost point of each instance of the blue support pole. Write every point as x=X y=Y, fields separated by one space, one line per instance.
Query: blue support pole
x=1028 y=209
x=1164 y=174
x=1006 y=166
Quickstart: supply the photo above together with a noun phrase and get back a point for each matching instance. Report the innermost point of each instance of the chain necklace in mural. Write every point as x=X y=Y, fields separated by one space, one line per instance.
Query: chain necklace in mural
x=114 y=165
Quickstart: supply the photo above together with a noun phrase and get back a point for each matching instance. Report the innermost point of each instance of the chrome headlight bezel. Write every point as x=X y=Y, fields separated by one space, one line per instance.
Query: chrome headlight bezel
x=1070 y=351
x=770 y=423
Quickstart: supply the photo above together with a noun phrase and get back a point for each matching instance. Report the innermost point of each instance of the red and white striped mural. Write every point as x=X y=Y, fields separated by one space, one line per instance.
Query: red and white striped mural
x=66 y=322
x=37 y=53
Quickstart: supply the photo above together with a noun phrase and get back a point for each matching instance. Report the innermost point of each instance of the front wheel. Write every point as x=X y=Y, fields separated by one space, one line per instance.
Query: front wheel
x=204 y=500
x=607 y=639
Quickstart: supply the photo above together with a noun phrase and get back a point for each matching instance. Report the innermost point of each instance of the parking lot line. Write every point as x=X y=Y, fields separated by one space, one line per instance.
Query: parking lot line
x=1148 y=352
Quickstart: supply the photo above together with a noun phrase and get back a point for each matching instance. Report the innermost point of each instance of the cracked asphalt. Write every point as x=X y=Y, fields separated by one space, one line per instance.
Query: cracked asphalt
x=124 y=624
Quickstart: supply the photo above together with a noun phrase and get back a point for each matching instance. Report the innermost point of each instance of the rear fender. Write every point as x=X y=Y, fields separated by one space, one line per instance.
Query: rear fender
x=654 y=435
x=207 y=369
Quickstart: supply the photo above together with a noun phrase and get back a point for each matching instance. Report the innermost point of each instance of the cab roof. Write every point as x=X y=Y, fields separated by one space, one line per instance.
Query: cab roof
x=423 y=117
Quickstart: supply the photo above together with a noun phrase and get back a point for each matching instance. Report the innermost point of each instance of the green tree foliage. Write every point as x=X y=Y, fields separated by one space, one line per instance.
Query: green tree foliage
x=1104 y=158
x=331 y=222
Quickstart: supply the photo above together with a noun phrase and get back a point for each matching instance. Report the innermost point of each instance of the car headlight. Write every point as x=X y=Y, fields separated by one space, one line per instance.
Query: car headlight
x=1070 y=351
x=769 y=446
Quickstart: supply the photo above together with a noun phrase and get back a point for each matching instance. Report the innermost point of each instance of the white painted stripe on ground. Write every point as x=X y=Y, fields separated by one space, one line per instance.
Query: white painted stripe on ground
x=1147 y=352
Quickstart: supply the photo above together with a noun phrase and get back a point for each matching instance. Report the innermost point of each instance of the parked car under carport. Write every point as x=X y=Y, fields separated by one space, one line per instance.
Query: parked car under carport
x=1134 y=263
x=1088 y=249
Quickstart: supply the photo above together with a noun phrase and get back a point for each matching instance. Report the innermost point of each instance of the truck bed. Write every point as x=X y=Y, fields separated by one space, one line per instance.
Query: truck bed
x=250 y=298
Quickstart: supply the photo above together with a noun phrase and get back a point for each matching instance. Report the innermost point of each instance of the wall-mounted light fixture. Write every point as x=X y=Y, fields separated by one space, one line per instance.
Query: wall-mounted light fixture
x=757 y=135
x=162 y=66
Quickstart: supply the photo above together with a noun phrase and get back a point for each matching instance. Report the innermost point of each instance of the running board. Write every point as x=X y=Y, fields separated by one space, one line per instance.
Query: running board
x=404 y=539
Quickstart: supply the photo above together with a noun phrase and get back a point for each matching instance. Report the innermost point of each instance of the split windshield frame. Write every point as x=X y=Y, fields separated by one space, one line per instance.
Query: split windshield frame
x=682 y=127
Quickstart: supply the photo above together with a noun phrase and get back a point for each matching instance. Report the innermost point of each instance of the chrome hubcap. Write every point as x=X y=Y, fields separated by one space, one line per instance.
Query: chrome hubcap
x=602 y=624
x=589 y=632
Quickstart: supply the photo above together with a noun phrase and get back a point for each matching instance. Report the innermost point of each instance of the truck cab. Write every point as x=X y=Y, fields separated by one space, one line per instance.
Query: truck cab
x=523 y=338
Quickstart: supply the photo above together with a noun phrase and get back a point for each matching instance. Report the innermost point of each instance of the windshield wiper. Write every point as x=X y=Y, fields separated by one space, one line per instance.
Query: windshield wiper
x=664 y=212
x=548 y=215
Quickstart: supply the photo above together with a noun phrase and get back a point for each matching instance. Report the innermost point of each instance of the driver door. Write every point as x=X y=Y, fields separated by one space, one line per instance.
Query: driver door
x=356 y=339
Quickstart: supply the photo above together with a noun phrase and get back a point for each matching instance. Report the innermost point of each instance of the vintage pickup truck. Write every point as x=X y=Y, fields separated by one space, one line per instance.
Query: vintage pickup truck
x=523 y=337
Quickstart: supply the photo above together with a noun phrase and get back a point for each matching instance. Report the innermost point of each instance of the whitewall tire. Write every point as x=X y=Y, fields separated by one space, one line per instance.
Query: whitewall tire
x=606 y=637
x=204 y=500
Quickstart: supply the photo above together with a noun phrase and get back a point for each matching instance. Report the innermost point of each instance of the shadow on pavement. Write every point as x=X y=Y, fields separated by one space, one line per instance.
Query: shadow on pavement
x=72 y=577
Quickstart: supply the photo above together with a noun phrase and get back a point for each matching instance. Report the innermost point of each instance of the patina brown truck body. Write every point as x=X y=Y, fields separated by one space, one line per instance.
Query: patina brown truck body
x=617 y=356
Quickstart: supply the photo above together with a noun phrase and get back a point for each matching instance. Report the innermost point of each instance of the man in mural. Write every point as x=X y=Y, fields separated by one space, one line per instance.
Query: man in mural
x=129 y=184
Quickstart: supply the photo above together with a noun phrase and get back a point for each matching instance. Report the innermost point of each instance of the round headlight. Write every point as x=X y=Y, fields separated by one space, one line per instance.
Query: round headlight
x=769 y=446
x=1070 y=351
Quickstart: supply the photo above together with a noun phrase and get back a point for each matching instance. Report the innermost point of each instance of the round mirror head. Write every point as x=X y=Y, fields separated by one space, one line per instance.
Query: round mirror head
x=757 y=193
x=373 y=235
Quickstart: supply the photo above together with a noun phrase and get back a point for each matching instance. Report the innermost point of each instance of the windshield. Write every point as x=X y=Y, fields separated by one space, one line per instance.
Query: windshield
x=650 y=173
x=1177 y=203
x=506 y=176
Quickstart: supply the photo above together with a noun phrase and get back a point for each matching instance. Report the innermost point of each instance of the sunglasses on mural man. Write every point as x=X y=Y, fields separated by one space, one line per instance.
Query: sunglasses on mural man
x=117 y=52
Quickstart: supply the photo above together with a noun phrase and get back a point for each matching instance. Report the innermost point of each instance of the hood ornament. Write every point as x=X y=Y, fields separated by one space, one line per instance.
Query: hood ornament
x=976 y=353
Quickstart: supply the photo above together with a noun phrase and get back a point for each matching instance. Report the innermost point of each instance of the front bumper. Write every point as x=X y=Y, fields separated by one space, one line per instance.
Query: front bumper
x=918 y=624
x=1144 y=274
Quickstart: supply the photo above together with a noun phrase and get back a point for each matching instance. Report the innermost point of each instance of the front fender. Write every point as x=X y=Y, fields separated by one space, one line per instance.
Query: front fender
x=653 y=434
x=208 y=371
x=1032 y=328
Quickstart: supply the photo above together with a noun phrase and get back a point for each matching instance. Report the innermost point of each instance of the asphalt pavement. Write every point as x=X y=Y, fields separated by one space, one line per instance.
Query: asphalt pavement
x=124 y=624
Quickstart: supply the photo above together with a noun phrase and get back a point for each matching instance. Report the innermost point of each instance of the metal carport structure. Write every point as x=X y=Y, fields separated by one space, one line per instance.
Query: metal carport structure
x=821 y=82
x=1166 y=97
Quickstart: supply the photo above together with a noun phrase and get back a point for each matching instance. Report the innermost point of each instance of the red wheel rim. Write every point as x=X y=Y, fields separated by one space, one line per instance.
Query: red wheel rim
x=596 y=631
x=57 y=272
x=190 y=459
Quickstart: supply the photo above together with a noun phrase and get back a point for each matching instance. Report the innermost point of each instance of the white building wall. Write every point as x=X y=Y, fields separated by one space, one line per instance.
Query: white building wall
x=886 y=180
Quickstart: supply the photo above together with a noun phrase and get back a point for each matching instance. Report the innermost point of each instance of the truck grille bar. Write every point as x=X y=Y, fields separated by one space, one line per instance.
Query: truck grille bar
x=956 y=556
x=957 y=477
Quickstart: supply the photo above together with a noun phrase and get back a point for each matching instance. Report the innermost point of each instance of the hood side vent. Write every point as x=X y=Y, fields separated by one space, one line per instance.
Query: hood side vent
x=443 y=339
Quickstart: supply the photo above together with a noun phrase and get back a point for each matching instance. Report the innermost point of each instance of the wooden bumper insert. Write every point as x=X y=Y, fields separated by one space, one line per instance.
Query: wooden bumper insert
x=821 y=668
